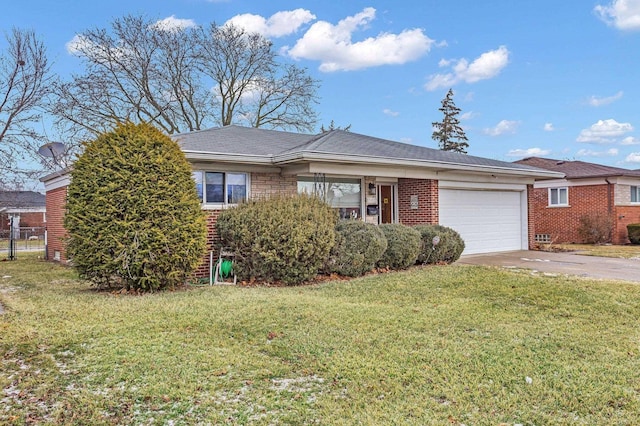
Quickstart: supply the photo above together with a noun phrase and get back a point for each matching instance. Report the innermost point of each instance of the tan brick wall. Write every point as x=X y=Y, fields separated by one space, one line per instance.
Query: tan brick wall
x=427 y=192
x=263 y=185
x=55 y=201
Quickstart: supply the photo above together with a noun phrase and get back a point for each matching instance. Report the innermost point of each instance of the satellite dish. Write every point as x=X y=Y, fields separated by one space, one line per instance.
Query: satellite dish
x=51 y=150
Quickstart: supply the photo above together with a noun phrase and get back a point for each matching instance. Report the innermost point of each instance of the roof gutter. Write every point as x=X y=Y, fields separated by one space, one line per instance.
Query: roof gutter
x=439 y=165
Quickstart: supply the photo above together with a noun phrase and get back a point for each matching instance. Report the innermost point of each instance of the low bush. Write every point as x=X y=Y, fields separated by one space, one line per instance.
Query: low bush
x=285 y=239
x=358 y=248
x=633 y=229
x=403 y=246
x=595 y=228
x=449 y=245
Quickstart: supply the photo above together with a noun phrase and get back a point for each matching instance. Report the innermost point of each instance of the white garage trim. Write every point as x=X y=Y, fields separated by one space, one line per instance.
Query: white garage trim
x=488 y=219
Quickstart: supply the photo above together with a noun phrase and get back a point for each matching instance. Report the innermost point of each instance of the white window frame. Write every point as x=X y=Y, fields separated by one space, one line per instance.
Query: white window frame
x=224 y=203
x=634 y=189
x=559 y=202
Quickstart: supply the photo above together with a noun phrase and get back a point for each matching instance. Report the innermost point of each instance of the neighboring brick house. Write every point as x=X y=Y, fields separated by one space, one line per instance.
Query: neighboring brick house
x=27 y=206
x=363 y=177
x=588 y=189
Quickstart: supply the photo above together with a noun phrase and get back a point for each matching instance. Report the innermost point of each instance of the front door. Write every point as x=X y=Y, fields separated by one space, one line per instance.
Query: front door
x=386 y=204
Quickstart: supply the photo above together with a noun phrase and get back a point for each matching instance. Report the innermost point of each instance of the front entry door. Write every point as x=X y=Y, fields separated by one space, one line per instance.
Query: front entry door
x=386 y=204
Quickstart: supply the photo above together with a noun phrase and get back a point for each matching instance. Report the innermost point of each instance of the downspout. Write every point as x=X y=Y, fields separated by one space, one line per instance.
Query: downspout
x=614 y=221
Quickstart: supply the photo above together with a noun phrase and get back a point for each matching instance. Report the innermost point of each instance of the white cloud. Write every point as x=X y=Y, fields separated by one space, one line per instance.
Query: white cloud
x=503 y=127
x=630 y=140
x=171 y=23
x=596 y=101
x=390 y=113
x=531 y=152
x=486 y=66
x=468 y=115
x=622 y=14
x=278 y=25
x=590 y=153
x=634 y=157
x=604 y=131
x=332 y=45
x=81 y=46
x=548 y=127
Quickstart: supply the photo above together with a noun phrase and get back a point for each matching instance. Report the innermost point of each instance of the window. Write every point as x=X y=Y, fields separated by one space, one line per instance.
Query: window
x=543 y=238
x=221 y=187
x=635 y=194
x=343 y=194
x=558 y=197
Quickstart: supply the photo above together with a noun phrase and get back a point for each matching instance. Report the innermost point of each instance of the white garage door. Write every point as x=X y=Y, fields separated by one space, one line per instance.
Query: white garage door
x=488 y=221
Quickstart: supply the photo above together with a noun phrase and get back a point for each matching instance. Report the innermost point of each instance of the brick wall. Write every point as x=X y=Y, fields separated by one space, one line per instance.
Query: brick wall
x=55 y=201
x=427 y=192
x=203 y=268
x=30 y=219
x=623 y=216
x=264 y=185
x=531 y=218
x=562 y=223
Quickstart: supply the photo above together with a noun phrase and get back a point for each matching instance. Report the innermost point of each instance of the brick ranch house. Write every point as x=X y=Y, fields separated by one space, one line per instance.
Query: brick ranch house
x=365 y=178
x=586 y=189
x=26 y=206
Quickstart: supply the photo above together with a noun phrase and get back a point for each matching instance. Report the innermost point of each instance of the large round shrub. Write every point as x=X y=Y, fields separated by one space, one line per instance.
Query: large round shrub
x=133 y=214
x=358 y=247
x=403 y=246
x=284 y=238
x=448 y=249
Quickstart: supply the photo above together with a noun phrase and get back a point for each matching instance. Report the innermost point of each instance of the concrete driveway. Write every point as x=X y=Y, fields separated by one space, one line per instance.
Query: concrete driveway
x=560 y=263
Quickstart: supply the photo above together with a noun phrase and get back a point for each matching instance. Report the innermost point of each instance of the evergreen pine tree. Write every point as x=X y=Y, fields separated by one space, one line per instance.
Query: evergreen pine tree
x=448 y=133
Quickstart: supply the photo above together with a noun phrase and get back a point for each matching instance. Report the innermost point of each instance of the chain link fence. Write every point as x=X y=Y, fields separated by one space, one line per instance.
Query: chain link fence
x=24 y=239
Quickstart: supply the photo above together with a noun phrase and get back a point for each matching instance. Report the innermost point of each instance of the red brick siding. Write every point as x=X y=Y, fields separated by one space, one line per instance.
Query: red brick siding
x=562 y=223
x=531 y=219
x=55 y=201
x=624 y=215
x=31 y=219
x=427 y=192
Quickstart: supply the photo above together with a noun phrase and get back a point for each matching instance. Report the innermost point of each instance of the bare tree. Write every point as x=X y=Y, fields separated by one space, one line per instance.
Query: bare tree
x=252 y=86
x=25 y=79
x=139 y=72
x=182 y=79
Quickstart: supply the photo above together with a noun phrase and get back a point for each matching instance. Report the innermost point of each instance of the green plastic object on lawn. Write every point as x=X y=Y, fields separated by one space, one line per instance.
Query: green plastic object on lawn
x=226 y=267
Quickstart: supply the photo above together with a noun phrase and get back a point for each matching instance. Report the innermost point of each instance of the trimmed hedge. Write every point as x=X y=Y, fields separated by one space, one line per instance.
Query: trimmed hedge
x=403 y=246
x=448 y=249
x=633 y=229
x=284 y=238
x=133 y=215
x=358 y=248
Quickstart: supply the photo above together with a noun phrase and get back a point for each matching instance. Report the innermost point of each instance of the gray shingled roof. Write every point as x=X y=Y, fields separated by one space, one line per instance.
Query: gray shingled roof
x=277 y=145
x=578 y=169
x=240 y=141
x=21 y=199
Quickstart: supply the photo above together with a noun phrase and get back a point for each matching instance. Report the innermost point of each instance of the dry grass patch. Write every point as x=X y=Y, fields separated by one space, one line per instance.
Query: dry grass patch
x=605 y=250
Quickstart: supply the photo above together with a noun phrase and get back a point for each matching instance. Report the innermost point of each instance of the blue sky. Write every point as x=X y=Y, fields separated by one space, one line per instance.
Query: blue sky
x=557 y=79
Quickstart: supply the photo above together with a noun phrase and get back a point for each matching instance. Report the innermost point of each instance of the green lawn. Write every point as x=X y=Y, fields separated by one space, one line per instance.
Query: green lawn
x=437 y=345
